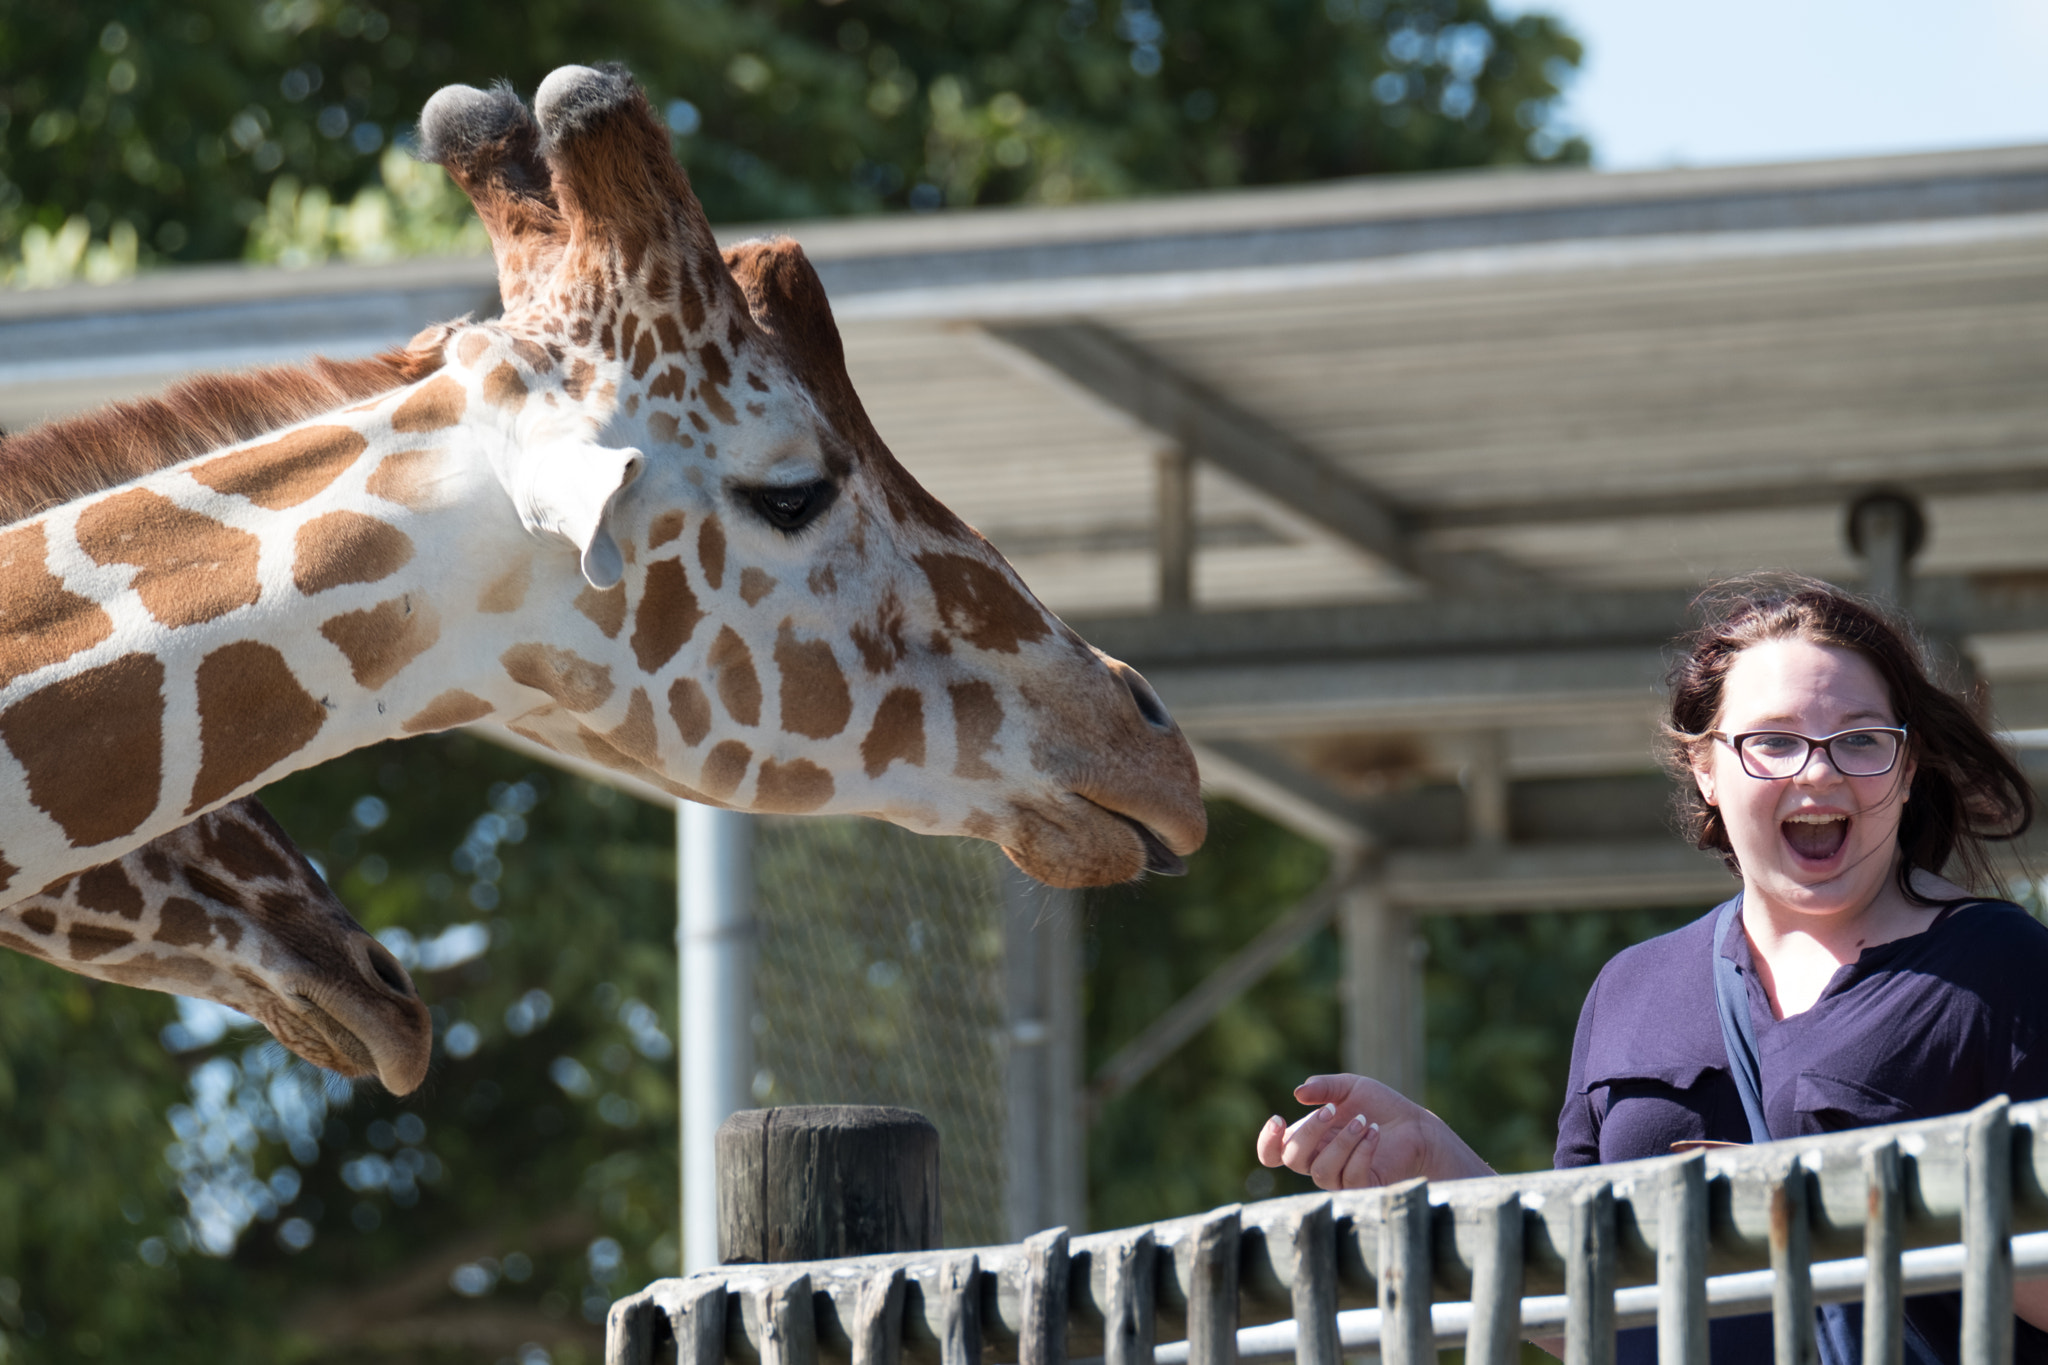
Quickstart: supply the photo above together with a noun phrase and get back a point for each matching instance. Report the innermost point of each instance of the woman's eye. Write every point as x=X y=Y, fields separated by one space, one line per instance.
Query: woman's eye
x=792 y=509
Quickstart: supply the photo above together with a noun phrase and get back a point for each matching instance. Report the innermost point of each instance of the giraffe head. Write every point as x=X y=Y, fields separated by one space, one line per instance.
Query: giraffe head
x=227 y=908
x=796 y=624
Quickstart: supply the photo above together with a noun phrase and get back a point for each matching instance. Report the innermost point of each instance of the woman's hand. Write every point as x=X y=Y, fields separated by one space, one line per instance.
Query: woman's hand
x=1365 y=1134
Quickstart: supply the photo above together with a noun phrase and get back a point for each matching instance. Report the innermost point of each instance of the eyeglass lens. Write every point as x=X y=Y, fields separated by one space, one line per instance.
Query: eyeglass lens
x=1854 y=753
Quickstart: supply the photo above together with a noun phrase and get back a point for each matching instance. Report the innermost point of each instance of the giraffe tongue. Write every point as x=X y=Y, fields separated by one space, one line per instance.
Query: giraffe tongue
x=1816 y=841
x=1158 y=857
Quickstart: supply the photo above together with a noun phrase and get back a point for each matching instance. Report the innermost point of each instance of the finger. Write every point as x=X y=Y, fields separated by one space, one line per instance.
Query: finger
x=1306 y=1138
x=1360 y=1171
x=1272 y=1138
x=1320 y=1089
x=1327 y=1170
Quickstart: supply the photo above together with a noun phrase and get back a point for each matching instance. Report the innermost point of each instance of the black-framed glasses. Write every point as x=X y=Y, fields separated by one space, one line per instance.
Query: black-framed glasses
x=1774 y=755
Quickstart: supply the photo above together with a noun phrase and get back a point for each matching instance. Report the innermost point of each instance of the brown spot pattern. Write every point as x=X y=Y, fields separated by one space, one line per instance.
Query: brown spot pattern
x=643 y=355
x=711 y=389
x=980 y=604
x=92 y=746
x=575 y=682
x=253 y=715
x=671 y=335
x=472 y=346
x=576 y=383
x=634 y=736
x=503 y=388
x=664 y=427
x=606 y=608
x=339 y=548
x=41 y=621
x=189 y=567
x=666 y=617
x=690 y=709
x=823 y=582
x=507 y=591
x=739 y=687
x=453 y=707
x=18 y=944
x=793 y=788
x=664 y=528
x=383 y=639
x=250 y=847
x=405 y=477
x=183 y=924
x=106 y=890
x=755 y=584
x=977 y=716
x=671 y=383
x=435 y=404
x=285 y=472
x=90 y=941
x=815 y=699
x=711 y=552
x=533 y=354
x=898 y=732
x=40 y=921
x=881 y=644
x=725 y=767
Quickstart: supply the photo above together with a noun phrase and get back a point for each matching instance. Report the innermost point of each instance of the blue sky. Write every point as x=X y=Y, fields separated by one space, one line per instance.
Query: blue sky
x=1703 y=84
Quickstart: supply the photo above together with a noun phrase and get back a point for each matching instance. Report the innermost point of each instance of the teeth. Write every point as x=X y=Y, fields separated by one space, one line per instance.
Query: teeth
x=1805 y=819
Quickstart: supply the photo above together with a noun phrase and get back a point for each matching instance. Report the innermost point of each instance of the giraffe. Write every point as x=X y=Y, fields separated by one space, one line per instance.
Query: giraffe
x=228 y=909
x=640 y=518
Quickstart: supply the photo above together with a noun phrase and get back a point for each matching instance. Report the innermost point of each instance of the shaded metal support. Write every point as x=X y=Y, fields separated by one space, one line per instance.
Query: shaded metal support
x=1046 y=1181
x=715 y=885
x=1987 y=1235
x=1886 y=530
x=1486 y=790
x=1791 y=1237
x=1382 y=988
x=1884 y=1302
x=1176 y=538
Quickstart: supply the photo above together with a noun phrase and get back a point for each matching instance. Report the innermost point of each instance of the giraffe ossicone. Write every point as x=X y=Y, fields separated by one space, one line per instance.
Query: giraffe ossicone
x=641 y=518
x=226 y=908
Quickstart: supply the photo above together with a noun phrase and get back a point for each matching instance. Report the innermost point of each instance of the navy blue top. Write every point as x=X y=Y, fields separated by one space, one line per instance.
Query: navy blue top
x=1923 y=1026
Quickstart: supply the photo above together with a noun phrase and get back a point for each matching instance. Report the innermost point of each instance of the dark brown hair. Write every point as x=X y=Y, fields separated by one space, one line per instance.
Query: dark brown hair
x=1967 y=789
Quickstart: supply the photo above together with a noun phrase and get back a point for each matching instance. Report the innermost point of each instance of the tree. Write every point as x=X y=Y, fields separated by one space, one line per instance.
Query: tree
x=164 y=132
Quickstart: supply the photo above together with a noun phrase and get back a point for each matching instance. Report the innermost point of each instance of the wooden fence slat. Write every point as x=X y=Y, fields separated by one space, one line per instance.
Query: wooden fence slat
x=1212 y=1290
x=878 y=1319
x=789 y=1322
x=1791 y=1268
x=958 y=1292
x=1987 y=1236
x=1047 y=1274
x=1884 y=1304
x=1406 y=1337
x=1589 y=1279
x=1313 y=1287
x=1131 y=1301
x=1495 y=1337
x=629 y=1331
x=1682 y=1264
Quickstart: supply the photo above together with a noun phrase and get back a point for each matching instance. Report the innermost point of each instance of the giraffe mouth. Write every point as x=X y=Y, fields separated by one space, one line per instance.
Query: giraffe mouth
x=1159 y=859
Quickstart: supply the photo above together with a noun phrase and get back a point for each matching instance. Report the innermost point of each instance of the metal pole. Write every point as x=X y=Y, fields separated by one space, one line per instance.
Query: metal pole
x=715 y=934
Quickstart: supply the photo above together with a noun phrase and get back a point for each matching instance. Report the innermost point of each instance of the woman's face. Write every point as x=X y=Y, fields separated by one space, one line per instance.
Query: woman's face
x=1816 y=842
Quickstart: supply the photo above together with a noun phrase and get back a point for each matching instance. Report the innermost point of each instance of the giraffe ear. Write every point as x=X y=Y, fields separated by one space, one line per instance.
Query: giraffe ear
x=574 y=495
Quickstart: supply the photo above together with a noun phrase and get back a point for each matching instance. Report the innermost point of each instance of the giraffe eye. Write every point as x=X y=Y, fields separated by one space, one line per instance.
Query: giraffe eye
x=792 y=509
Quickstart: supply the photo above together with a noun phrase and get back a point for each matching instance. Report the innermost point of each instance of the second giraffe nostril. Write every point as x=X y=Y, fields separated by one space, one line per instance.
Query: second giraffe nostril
x=1149 y=705
x=389 y=972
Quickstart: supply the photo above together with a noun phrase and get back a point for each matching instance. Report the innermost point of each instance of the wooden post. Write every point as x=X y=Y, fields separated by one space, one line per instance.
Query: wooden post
x=816 y=1182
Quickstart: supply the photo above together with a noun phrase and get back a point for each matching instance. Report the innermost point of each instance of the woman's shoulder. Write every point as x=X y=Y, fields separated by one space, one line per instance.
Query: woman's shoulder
x=1655 y=964
x=1993 y=940
x=1651 y=1010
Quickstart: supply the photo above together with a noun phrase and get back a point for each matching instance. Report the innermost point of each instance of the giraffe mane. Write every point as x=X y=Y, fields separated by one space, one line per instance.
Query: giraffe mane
x=58 y=461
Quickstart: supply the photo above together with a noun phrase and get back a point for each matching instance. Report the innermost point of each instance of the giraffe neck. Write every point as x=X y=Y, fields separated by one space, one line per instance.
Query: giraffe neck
x=173 y=643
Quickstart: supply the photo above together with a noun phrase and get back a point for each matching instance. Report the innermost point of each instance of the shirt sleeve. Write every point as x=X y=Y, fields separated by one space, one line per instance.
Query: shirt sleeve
x=1578 y=1127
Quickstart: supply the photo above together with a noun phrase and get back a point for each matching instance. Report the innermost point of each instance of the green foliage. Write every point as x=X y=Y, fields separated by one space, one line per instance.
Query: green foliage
x=542 y=1173
x=206 y=130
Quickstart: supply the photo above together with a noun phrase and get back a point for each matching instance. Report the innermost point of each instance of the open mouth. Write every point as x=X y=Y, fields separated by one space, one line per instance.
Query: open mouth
x=1158 y=857
x=1816 y=838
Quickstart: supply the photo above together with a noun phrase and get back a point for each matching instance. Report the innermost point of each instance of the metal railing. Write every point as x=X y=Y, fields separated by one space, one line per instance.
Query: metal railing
x=1874 y=1214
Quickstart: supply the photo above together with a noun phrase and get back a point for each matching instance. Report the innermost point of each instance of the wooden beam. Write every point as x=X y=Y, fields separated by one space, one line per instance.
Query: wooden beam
x=1184 y=412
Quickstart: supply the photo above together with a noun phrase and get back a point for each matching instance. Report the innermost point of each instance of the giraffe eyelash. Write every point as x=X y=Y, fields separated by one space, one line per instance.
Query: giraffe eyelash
x=790 y=509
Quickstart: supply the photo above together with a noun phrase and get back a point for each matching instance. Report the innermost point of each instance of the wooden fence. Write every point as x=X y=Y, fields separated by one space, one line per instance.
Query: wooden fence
x=1874 y=1214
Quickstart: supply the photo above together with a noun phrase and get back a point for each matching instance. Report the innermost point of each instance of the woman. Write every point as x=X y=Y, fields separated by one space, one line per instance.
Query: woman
x=1840 y=784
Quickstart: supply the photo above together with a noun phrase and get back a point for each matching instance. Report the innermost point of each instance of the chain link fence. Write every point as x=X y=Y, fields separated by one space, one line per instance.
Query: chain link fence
x=879 y=979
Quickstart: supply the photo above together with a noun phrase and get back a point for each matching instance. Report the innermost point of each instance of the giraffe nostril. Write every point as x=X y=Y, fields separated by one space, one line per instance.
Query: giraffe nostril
x=387 y=969
x=1149 y=705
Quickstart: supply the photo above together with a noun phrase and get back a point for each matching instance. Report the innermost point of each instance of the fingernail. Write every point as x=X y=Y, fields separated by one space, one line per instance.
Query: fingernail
x=1329 y=1111
x=1277 y=1121
x=1357 y=1122
x=1373 y=1131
